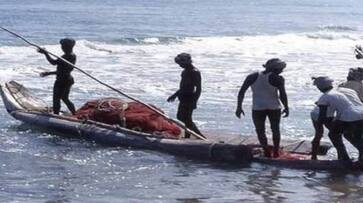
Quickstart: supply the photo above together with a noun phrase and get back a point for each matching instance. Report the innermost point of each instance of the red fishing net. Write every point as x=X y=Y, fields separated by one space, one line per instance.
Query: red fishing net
x=131 y=115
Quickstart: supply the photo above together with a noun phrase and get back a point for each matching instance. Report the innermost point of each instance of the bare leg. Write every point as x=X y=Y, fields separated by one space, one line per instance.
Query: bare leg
x=275 y=116
x=259 y=119
x=65 y=98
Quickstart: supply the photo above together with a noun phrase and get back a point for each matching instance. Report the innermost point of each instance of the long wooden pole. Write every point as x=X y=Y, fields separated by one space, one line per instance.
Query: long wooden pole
x=110 y=87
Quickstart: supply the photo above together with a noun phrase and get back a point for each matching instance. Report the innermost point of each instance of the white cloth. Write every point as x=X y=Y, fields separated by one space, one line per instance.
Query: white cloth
x=349 y=93
x=323 y=82
x=354 y=85
x=314 y=114
x=346 y=110
x=264 y=95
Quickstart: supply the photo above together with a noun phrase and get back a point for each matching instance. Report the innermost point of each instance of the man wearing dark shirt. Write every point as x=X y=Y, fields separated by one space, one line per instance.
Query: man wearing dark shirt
x=64 y=79
x=189 y=92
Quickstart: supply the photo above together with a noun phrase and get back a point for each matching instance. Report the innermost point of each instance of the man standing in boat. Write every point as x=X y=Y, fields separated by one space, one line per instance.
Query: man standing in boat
x=189 y=92
x=268 y=88
x=64 y=79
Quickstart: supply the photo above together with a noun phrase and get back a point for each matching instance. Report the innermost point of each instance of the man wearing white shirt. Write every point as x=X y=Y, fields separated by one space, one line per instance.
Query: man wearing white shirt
x=349 y=116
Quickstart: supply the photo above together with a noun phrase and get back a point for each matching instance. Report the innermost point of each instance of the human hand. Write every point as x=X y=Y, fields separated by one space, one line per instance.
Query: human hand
x=43 y=74
x=194 y=105
x=239 y=111
x=171 y=98
x=285 y=112
x=42 y=50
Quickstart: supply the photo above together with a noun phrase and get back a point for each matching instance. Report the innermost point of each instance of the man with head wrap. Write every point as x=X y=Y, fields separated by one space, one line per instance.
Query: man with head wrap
x=323 y=82
x=349 y=116
x=64 y=79
x=268 y=88
x=189 y=92
x=354 y=81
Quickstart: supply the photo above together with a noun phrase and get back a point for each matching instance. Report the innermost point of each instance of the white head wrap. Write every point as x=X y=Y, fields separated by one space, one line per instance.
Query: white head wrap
x=323 y=82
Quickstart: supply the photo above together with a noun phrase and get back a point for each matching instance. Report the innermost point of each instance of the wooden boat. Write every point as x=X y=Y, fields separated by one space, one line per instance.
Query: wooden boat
x=297 y=155
x=23 y=106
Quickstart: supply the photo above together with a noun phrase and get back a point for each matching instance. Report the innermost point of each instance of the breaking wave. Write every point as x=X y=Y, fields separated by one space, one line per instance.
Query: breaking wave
x=337 y=28
x=148 y=40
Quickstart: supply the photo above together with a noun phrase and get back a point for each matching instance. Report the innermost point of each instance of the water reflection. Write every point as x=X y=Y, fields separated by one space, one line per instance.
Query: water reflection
x=341 y=186
x=266 y=184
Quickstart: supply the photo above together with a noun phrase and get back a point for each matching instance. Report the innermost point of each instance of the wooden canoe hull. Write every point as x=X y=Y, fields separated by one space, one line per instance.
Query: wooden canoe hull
x=118 y=136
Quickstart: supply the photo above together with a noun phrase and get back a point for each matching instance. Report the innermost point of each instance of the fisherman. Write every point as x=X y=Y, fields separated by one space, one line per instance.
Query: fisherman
x=354 y=81
x=319 y=126
x=349 y=116
x=189 y=92
x=268 y=87
x=64 y=79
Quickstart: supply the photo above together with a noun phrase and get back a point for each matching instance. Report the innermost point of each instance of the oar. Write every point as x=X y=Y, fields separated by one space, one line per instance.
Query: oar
x=110 y=87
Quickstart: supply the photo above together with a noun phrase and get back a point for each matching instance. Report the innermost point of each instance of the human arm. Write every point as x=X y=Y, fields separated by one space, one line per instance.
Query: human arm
x=47 y=56
x=250 y=79
x=315 y=144
x=173 y=96
x=319 y=131
x=279 y=82
x=44 y=74
x=198 y=88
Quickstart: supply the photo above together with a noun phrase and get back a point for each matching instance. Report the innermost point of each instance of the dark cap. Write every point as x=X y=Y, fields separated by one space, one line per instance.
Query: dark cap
x=183 y=58
x=69 y=42
x=275 y=63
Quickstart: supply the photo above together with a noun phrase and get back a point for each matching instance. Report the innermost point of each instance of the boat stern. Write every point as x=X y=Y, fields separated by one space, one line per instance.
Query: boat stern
x=9 y=101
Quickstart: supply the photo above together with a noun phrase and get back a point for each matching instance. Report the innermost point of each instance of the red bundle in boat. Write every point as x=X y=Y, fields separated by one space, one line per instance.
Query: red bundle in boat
x=131 y=115
x=292 y=156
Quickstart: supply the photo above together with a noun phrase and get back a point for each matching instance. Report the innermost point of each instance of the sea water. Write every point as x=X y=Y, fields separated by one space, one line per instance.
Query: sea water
x=131 y=45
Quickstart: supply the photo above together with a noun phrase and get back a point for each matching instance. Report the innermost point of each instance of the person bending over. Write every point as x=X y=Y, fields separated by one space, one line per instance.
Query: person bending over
x=354 y=82
x=349 y=116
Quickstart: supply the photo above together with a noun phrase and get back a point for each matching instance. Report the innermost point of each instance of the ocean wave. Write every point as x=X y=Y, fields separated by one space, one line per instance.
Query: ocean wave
x=334 y=36
x=337 y=28
x=325 y=35
x=148 y=40
x=221 y=45
x=95 y=46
